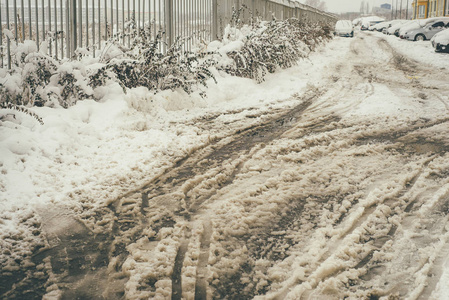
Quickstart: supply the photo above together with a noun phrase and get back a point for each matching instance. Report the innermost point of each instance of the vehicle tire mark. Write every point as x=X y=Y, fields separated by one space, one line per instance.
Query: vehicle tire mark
x=201 y=272
x=177 y=267
x=333 y=245
x=177 y=179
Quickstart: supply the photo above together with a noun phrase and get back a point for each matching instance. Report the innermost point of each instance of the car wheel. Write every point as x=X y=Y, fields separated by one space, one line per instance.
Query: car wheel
x=420 y=37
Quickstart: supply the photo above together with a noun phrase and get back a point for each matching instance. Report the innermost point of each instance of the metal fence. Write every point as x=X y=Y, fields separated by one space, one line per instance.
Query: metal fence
x=59 y=27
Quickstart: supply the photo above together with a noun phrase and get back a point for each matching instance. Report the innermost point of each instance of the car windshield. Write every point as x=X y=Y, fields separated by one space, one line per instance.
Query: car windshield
x=438 y=25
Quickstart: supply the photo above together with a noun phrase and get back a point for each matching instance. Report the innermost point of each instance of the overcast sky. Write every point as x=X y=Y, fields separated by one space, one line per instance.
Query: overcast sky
x=338 y=6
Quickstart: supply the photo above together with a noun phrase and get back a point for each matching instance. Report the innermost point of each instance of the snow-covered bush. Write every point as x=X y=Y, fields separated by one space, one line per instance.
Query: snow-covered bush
x=147 y=66
x=264 y=46
x=37 y=70
x=37 y=79
x=72 y=82
x=251 y=51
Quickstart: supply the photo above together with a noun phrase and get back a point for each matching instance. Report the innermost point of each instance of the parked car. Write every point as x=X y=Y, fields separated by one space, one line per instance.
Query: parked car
x=357 y=22
x=414 y=24
x=344 y=28
x=366 y=22
x=440 y=41
x=394 y=29
x=425 y=30
x=379 y=26
x=390 y=24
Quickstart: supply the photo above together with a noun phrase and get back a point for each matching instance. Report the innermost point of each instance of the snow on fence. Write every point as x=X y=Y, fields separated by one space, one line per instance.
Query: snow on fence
x=59 y=27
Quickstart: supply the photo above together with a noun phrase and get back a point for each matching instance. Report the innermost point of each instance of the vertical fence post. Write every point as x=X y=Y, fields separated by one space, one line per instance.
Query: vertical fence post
x=8 y=41
x=49 y=26
x=117 y=28
x=214 y=19
x=22 y=10
x=80 y=24
x=169 y=21
x=15 y=21
x=43 y=20
x=106 y=29
x=143 y=13
x=56 y=28
x=30 y=29
x=73 y=29
x=87 y=22
x=1 y=34
x=129 y=20
x=67 y=28
x=137 y=20
x=93 y=28
x=265 y=10
x=122 y=39
x=112 y=18
x=99 y=22
x=123 y=22
x=155 y=16
x=61 y=11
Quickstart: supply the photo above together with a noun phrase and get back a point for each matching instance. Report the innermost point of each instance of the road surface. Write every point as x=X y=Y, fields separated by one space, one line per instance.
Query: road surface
x=344 y=195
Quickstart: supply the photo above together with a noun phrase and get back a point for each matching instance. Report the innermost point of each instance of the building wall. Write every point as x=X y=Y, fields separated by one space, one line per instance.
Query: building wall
x=431 y=8
x=421 y=10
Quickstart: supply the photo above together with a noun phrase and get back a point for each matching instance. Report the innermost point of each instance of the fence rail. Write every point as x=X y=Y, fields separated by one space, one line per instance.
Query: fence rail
x=60 y=27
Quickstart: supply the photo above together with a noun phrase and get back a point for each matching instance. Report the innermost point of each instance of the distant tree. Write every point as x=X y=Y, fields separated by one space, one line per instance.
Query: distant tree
x=362 y=7
x=321 y=5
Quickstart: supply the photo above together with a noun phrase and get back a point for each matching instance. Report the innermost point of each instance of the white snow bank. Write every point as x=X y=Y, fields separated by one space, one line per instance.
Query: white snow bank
x=421 y=51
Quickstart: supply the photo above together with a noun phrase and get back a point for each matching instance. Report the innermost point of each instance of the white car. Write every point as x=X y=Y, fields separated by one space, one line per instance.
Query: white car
x=410 y=26
x=423 y=29
x=379 y=26
x=366 y=22
x=394 y=29
x=344 y=28
x=390 y=24
x=428 y=31
x=440 y=41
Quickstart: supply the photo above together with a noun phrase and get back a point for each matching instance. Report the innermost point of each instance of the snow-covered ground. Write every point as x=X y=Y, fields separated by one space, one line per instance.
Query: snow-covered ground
x=421 y=51
x=327 y=180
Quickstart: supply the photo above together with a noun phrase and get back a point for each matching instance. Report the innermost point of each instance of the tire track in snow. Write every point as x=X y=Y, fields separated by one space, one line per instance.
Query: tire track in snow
x=369 y=78
x=133 y=213
x=259 y=135
x=422 y=269
x=390 y=201
x=177 y=267
x=201 y=282
x=324 y=269
x=366 y=259
x=416 y=146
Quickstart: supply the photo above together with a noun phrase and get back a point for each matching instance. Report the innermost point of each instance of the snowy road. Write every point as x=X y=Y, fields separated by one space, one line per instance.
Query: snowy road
x=344 y=195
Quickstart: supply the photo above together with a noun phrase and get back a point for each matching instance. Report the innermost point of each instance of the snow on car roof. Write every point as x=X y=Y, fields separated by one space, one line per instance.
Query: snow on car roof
x=344 y=27
x=343 y=23
x=442 y=37
x=398 y=25
x=373 y=18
